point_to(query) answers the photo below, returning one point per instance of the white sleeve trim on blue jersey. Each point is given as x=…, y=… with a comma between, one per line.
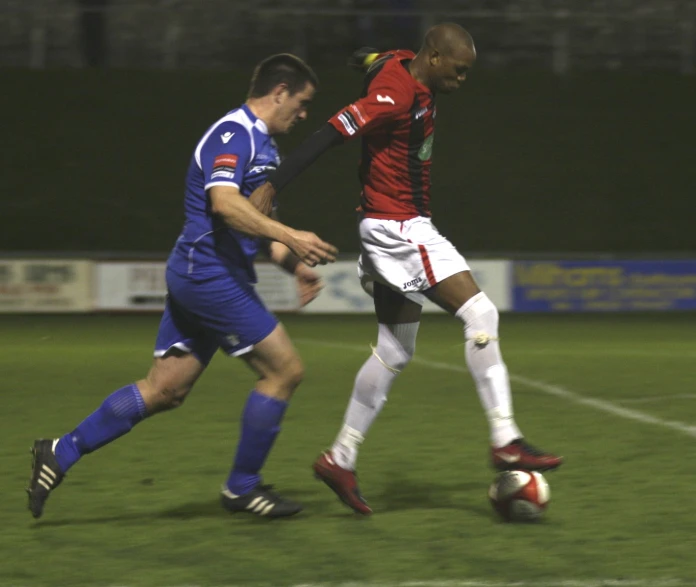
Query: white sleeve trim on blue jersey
x=238, y=116
x=227, y=183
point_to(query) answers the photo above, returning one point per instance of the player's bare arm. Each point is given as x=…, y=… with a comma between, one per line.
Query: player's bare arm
x=262, y=198
x=309, y=283
x=238, y=213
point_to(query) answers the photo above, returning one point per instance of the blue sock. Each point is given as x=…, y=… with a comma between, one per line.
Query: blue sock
x=122, y=410
x=260, y=426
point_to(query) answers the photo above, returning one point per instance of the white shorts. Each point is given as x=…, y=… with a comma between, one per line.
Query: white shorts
x=409, y=256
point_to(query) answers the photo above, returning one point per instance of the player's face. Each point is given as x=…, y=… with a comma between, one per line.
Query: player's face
x=450, y=70
x=293, y=108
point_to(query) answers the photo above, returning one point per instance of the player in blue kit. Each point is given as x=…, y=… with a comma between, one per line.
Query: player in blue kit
x=212, y=302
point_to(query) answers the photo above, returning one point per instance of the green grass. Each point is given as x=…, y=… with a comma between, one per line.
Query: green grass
x=144, y=511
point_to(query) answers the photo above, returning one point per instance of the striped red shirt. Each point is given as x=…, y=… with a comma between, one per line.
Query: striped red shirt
x=395, y=118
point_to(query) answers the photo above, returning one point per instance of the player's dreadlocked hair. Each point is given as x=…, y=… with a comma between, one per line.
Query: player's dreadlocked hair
x=283, y=68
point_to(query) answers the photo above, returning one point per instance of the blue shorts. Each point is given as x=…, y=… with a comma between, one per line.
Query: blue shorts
x=202, y=316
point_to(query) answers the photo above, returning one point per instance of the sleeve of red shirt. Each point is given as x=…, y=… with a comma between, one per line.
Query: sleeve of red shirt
x=387, y=98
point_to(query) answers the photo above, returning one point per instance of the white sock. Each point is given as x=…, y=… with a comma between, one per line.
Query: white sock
x=396, y=344
x=480, y=317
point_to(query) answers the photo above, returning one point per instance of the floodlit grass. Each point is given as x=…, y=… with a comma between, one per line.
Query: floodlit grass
x=144, y=511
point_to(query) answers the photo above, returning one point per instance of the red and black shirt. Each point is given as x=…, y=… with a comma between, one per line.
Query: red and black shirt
x=395, y=118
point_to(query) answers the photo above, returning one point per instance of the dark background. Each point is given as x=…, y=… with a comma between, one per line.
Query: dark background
x=574, y=133
x=523, y=161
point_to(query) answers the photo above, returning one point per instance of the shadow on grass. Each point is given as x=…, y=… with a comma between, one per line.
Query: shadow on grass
x=315, y=502
x=399, y=494
x=410, y=494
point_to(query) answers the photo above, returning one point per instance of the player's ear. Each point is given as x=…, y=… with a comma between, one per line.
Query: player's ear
x=279, y=93
x=435, y=58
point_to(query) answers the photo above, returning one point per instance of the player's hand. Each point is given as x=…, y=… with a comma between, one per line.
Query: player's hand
x=309, y=284
x=262, y=198
x=310, y=248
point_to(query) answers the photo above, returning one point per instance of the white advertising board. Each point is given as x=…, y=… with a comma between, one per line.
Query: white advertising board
x=141, y=286
x=135, y=286
x=45, y=285
x=343, y=294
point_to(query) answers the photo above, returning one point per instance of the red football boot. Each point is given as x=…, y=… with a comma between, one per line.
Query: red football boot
x=342, y=482
x=520, y=455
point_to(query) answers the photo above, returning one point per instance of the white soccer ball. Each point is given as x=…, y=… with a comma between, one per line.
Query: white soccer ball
x=520, y=496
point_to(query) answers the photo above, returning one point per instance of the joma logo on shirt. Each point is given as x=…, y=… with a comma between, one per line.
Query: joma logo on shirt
x=413, y=282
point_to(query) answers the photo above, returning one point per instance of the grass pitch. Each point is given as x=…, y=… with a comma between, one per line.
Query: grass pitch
x=614, y=394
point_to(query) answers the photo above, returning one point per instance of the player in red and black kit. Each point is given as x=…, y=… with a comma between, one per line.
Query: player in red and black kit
x=404, y=259
x=396, y=118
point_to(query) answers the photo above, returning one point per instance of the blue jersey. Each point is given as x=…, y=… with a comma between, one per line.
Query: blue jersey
x=236, y=151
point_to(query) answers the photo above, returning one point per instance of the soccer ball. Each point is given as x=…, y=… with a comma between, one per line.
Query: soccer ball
x=519, y=496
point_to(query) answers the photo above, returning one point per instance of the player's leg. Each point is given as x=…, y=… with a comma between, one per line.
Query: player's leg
x=230, y=315
x=165, y=387
x=280, y=371
x=179, y=362
x=398, y=319
x=460, y=296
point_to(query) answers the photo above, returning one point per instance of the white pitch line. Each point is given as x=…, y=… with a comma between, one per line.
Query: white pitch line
x=549, y=389
x=656, y=398
x=475, y=583
x=605, y=406
x=606, y=352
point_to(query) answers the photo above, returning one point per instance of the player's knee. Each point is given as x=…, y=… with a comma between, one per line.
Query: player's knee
x=479, y=310
x=408, y=349
x=296, y=374
x=292, y=374
x=168, y=397
x=396, y=345
x=481, y=318
x=172, y=397
x=162, y=395
x=396, y=358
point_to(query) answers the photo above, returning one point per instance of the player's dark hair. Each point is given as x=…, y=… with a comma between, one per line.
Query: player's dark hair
x=283, y=68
